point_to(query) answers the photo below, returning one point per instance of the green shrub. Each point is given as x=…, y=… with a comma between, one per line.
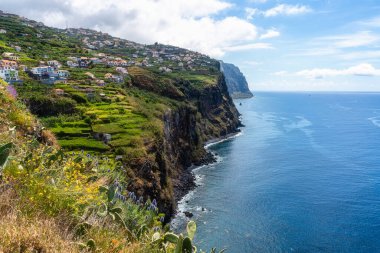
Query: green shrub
x=51, y=106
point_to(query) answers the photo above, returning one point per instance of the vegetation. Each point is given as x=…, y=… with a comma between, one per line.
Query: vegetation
x=71, y=202
x=68, y=178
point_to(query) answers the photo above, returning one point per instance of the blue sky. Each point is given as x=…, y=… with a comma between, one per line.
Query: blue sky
x=279, y=45
x=333, y=46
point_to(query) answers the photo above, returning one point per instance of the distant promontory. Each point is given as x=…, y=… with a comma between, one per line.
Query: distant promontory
x=236, y=82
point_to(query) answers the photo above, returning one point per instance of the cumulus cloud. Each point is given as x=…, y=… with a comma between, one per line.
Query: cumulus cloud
x=271, y=33
x=363, y=69
x=287, y=10
x=191, y=24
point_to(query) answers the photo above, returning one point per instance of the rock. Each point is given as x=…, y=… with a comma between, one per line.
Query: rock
x=188, y=214
x=236, y=83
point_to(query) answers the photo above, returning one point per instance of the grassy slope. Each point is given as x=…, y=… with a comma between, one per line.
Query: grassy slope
x=44, y=189
x=59, y=200
x=130, y=114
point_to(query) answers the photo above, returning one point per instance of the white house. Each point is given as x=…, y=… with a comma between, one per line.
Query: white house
x=9, y=74
x=122, y=70
x=54, y=63
x=42, y=70
x=63, y=73
x=72, y=64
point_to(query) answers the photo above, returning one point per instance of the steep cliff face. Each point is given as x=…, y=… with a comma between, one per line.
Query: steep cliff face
x=209, y=113
x=236, y=82
x=188, y=128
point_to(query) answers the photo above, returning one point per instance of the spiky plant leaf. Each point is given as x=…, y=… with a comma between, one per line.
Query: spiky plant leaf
x=91, y=244
x=187, y=245
x=103, y=210
x=178, y=248
x=4, y=154
x=170, y=237
x=191, y=229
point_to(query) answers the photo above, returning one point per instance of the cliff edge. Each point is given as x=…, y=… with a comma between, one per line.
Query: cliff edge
x=236, y=82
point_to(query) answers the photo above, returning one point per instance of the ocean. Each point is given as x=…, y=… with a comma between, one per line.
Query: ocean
x=303, y=176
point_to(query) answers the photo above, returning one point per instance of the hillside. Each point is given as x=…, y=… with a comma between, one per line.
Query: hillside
x=149, y=108
x=52, y=201
x=236, y=82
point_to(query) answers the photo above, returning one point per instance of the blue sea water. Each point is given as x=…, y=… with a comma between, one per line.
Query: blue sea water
x=304, y=176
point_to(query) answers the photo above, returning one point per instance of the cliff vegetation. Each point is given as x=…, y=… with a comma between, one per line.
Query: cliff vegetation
x=99, y=133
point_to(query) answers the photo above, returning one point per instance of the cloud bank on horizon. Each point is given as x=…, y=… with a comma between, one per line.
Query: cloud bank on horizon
x=278, y=44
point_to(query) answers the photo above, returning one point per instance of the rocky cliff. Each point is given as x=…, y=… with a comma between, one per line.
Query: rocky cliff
x=208, y=114
x=236, y=82
x=157, y=111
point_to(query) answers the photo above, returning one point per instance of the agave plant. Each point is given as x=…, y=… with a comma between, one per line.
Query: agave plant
x=182, y=243
x=108, y=209
x=4, y=154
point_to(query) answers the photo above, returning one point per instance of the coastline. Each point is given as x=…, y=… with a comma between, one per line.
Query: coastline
x=195, y=181
x=222, y=139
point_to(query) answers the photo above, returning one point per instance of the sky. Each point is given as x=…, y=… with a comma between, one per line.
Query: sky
x=279, y=45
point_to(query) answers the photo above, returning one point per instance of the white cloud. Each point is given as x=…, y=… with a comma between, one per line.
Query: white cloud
x=280, y=73
x=286, y=9
x=363, y=69
x=250, y=46
x=251, y=63
x=372, y=22
x=258, y=1
x=189, y=24
x=250, y=12
x=359, y=45
x=363, y=38
x=316, y=51
x=371, y=54
x=271, y=33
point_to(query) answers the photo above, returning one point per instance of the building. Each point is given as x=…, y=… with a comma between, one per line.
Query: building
x=72, y=64
x=59, y=92
x=95, y=60
x=100, y=82
x=90, y=93
x=54, y=63
x=8, y=64
x=48, y=74
x=83, y=62
x=108, y=76
x=122, y=70
x=10, y=56
x=63, y=74
x=9, y=75
x=43, y=70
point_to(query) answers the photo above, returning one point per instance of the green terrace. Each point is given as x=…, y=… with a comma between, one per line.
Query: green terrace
x=116, y=119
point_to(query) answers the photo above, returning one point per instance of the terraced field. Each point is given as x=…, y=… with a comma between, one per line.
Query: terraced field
x=107, y=112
